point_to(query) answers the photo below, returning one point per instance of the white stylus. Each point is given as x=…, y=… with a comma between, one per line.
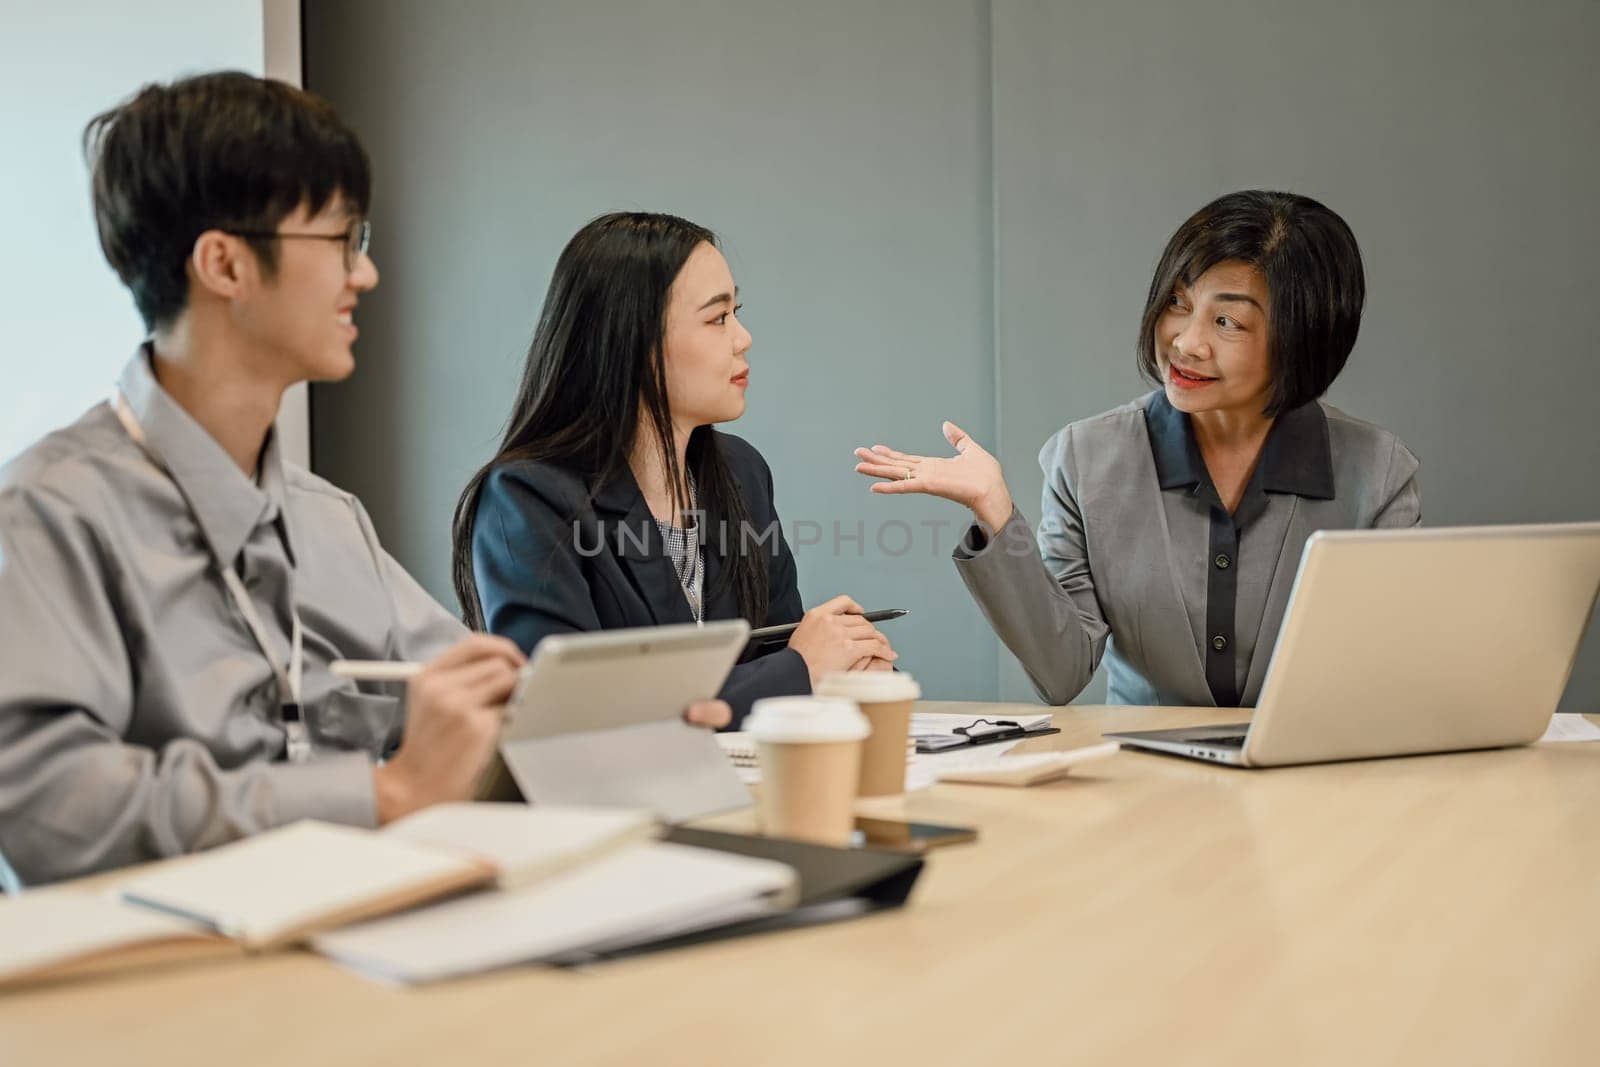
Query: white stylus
x=375, y=670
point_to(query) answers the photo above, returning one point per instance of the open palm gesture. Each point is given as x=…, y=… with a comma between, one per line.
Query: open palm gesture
x=971, y=477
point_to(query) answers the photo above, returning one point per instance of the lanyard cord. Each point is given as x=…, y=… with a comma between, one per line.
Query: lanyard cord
x=289, y=676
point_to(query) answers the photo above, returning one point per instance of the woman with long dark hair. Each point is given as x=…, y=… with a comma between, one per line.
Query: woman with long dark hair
x=612, y=501
x=1171, y=527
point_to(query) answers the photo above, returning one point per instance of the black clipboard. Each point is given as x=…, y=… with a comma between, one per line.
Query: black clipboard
x=979, y=732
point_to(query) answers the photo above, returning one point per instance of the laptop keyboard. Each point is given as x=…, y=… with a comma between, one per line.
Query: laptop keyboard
x=1223, y=741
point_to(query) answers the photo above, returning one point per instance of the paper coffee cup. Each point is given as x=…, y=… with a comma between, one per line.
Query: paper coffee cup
x=810, y=754
x=885, y=698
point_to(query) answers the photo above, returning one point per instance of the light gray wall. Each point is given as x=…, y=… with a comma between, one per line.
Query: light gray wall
x=70, y=323
x=1458, y=138
x=841, y=149
x=951, y=210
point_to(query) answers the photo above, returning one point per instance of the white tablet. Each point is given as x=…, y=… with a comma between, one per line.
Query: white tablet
x=599, y=681
x=597, y=719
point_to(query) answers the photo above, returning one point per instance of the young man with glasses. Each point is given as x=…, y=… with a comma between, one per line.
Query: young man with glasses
x=173, y=590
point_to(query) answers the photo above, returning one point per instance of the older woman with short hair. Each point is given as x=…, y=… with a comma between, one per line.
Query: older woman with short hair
x=1171, y=527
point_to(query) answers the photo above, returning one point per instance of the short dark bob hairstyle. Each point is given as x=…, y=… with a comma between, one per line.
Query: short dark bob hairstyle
x=225, y=151
x=1315, y=284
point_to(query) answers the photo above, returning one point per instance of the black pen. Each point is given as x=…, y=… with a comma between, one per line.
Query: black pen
x=766, y=635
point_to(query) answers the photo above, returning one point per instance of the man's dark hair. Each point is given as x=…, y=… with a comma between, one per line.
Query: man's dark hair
x=1315, y=284
x=223, y=151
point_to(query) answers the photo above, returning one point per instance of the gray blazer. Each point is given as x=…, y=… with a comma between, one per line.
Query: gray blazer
x=1136, y=558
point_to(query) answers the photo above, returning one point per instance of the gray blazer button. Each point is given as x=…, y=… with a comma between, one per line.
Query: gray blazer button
x=1223, y=562
x=1219, y=642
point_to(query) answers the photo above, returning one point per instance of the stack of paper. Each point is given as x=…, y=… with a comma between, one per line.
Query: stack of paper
x=922, y=770
x=740, y=748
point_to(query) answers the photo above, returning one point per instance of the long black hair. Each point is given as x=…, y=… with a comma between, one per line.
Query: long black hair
x=596, y=363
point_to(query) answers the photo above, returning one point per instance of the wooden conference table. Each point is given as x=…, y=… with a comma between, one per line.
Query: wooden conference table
x=1440, y=909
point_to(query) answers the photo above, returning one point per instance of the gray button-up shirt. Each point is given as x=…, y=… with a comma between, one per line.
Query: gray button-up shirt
x=138, y=716
x=1137, y=559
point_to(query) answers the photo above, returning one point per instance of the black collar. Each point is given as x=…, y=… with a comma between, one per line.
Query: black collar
x=626, y=523
x=1296, y=458
x=619, y=494
x=621, y=508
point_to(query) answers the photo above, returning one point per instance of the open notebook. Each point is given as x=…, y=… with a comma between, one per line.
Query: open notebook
x=642, y=893
x=284, y=885
x=281, y=886
x=59, y=933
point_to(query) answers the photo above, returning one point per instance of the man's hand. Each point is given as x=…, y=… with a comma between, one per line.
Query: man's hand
x=454, y=707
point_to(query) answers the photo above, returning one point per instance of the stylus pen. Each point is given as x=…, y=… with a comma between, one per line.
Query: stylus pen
x=781, y=632
x=375, y=670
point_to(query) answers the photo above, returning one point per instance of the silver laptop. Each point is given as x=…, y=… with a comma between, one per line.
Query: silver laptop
x=1398, y=642
x=597, y=720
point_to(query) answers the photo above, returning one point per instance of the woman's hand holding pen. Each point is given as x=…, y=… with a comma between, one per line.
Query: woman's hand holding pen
x=834, y=637
x=454, y=706
x=971, y=477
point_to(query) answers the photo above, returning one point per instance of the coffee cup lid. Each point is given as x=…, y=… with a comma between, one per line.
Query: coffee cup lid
x=802, y=719
x=869, y=687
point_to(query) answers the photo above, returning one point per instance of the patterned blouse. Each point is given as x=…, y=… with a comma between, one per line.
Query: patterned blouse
x=683, y=548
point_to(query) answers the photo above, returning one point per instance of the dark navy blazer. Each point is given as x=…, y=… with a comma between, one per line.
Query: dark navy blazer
x=551, y=557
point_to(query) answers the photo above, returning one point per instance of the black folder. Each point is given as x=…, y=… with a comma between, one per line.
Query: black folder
x=835, y=884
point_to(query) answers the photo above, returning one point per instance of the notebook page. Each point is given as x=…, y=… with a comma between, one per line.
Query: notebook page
x=47, y=930
x=525, y=843
x=310, y=875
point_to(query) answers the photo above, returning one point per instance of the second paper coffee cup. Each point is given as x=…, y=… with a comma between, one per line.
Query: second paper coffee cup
x=885, y=698
x=810, y=754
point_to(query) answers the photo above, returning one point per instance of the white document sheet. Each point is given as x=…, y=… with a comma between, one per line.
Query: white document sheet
x=922, y=769
x=1570, y=728
x=941, y=723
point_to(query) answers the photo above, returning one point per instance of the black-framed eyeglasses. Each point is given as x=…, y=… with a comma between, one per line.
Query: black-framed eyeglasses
x=356, y=238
